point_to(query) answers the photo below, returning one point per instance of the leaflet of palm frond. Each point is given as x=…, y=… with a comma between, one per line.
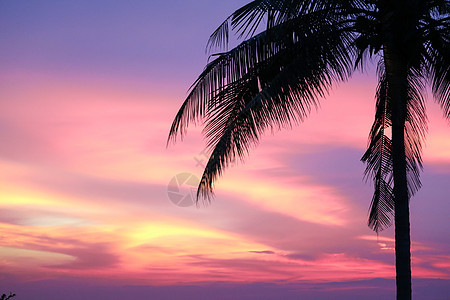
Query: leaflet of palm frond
x=246, y=20
x=415, y=130
x=220, y=37
x=382, y=206
x=228, y=136
x=438, y=7
x=231, y=66
x=231, y=101
x=437, y=54
x=369, y=39
x=283, y=89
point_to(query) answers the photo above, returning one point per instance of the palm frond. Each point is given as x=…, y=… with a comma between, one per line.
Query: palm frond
x=438, y=60
x=378, y=156
x=246, y=20
x=279, y=89
x=250, y=55
x=415, y=131
x=220, y=37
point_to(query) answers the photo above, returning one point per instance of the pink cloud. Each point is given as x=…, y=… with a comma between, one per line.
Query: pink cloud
x=95, y=165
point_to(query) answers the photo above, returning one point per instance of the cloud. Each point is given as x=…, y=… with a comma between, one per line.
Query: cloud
x=39, y=217
x=262, y=252
x=88, y=256
x=84, y=170
x=83, y=251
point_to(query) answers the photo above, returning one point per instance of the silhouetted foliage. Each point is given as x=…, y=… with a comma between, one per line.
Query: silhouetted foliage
x=274, y=78
x=6, y=297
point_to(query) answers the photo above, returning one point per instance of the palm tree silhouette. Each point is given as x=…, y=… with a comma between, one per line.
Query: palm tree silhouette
x=274, y=78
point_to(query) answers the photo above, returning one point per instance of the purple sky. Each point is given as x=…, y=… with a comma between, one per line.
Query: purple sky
x=88, y=93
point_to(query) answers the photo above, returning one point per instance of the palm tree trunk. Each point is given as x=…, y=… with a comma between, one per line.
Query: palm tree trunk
x=396, y=72
x=402, y=226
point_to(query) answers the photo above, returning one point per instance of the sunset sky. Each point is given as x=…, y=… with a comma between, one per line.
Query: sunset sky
x=88, y=90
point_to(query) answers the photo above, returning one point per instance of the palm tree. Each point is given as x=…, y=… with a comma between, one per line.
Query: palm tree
x=275, y=77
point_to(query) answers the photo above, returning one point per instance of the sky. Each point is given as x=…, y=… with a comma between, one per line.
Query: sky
x=94, y=205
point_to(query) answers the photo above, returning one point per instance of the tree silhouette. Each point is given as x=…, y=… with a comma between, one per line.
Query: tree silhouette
x=6, y=297
x=274, y=78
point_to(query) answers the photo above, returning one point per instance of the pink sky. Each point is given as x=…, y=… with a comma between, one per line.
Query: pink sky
x=88, y=93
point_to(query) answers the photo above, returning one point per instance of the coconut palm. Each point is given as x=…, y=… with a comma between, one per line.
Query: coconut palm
x=292, y=54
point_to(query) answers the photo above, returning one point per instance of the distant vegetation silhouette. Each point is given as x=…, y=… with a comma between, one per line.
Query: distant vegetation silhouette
x=6, y=297
x=274, y=78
